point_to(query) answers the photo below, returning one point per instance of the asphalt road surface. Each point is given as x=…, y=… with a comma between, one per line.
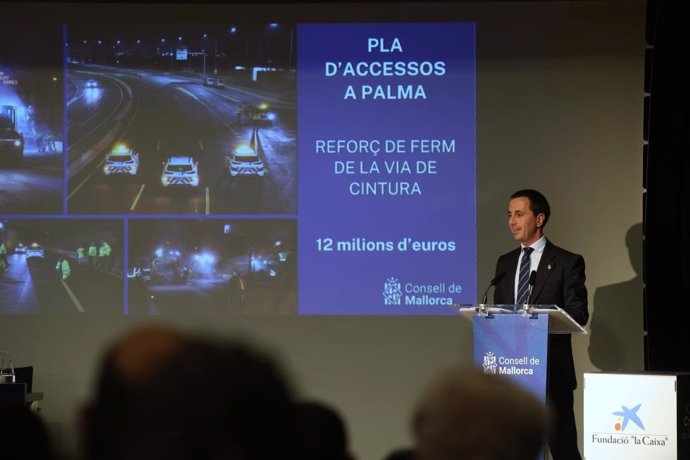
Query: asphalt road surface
x=161, y=115
x=33, y=187
x=32, y=287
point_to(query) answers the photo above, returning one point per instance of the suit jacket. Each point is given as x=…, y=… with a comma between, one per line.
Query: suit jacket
x=560, y=280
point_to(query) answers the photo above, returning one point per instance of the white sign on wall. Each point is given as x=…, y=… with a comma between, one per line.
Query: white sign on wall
x=630, y=416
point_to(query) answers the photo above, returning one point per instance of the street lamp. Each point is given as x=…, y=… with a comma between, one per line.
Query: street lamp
x=269, y=48
x=215, y=53
x=237, y=45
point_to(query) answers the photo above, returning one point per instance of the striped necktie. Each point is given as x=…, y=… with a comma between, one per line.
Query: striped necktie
x=523, y=281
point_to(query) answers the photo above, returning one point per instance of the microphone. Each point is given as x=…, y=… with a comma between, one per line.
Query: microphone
x=493, y=282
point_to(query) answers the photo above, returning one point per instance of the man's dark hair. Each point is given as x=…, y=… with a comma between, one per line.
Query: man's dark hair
x=320, y=432
x=537, y=202
x=192, y=398
x=457, y=415
x=224, y=400
x=25, y=433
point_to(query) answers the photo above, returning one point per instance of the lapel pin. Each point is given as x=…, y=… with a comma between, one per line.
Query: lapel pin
x=548, y=267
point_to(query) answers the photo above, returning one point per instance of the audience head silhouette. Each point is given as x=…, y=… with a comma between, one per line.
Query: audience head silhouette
x=468, y=415
x=402, y=453
x=23, y=434
x=166, y=395
x=320, y=432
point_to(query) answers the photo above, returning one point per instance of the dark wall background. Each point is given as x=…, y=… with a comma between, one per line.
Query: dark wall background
x=667, y=216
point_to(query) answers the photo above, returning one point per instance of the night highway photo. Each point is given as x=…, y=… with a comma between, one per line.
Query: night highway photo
x=61, y=267
x=212, y=266
x=181, y=120
x=31, y=121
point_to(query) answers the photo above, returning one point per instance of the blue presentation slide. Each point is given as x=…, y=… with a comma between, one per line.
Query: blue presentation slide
x=387, y=168
x=298, y=169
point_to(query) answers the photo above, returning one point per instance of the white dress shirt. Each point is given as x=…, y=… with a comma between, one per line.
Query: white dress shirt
x=534, y=258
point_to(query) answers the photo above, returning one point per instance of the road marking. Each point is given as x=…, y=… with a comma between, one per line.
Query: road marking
x=189, y=94
x=132, y=101
x=81, y=184
x=113, y=113
x=114, y=275
x=158, y=146
x=71, y=295
x=136, y=200
x=201, y=146
x=208, y=201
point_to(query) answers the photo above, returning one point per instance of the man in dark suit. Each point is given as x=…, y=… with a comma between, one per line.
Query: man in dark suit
x=559, y=280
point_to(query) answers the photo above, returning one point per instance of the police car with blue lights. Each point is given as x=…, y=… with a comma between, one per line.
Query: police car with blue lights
x=35, y=251
x=180, y=171
x=244, y=162
x=121, y=160
x=263, y=117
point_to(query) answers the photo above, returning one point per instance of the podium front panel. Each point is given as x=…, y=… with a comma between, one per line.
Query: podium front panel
x=514, y=346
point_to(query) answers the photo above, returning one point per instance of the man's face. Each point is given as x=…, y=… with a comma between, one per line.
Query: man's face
x=523, y=224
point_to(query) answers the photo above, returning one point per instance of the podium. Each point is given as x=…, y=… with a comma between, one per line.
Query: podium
x=512, y=340
x=15, y=393
x=12, y=393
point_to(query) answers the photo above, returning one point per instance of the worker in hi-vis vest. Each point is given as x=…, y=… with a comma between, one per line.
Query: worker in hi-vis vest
x=63, y=268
